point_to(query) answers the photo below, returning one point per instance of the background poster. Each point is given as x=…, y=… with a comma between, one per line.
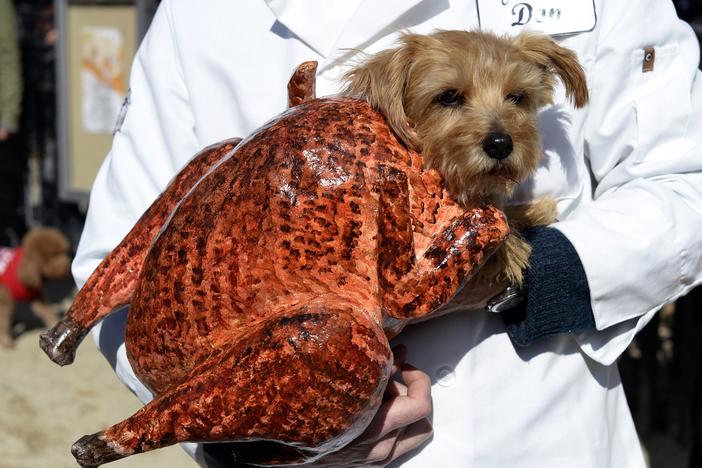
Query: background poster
x=100, y=41
x=101, y=75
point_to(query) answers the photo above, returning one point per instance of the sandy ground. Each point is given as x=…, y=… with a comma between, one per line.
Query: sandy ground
x=44, y=408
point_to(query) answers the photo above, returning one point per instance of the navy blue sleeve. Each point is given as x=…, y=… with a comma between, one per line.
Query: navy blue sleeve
x=557, y=292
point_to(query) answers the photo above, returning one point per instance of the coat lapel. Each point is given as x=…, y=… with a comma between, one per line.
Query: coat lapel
x=330, y=26
x=374, y=18
x=318, y=23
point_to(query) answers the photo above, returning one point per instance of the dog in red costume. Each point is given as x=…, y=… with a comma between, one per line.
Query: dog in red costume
x=42, y=255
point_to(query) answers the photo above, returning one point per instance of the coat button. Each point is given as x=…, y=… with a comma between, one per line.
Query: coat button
x=445, y=376
x=649, y=59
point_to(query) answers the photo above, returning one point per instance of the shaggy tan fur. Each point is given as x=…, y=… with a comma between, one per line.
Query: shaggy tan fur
x=502, y=82
x=45, y=256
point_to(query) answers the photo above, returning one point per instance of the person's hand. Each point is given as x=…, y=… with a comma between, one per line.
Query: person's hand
x=4, y=134
x=400, y=425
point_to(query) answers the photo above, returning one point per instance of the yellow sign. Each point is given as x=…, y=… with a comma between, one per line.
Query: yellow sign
x=101, y=42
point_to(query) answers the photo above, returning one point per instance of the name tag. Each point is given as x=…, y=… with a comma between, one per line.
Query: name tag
x=553, y=17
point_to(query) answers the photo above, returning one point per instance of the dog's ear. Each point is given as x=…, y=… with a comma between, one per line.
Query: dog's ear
x=381, y=80
x=543, y=51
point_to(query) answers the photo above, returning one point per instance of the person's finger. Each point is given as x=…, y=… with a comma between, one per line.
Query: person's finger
x=411, y=404
x=418, y=383
x=383, y=448
x=400, y=411
x=399, y=353
x=394, y=389
x=412, y=437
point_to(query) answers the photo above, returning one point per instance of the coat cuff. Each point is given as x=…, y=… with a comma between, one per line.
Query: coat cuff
x=9, y=127
x=557, y=292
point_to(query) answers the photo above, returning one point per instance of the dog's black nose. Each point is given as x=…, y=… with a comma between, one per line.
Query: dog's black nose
x=498, y=145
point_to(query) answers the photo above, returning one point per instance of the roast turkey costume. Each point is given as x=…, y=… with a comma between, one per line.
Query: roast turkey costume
x=266, y=280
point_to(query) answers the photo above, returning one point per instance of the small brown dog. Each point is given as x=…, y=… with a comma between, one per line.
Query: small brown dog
x=43, y=254
x=468, y=102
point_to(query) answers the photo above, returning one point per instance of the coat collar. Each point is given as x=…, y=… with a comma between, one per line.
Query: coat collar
x=318, y=23
x=324, y=25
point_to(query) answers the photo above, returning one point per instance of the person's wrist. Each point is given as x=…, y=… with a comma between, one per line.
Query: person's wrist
x=5, y=133
x=556, y=295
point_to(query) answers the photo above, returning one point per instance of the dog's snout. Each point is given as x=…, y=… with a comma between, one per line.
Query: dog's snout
x=498, y=145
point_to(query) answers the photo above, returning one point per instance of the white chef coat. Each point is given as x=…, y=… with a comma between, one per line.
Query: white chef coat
x=625, y=171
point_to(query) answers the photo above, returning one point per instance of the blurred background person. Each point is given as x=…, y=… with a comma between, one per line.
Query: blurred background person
x=12, y=155
x=38, y=38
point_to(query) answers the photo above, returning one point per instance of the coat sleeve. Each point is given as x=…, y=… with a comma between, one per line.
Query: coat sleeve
x=155, y=139
x=639, y=239
x=10, y=69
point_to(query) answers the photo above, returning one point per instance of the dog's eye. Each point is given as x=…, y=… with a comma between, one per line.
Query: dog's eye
x=450, y=98
x=516, y=98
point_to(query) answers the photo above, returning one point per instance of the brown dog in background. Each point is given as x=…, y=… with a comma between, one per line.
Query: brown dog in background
x=42, y=255
x=468, y=101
